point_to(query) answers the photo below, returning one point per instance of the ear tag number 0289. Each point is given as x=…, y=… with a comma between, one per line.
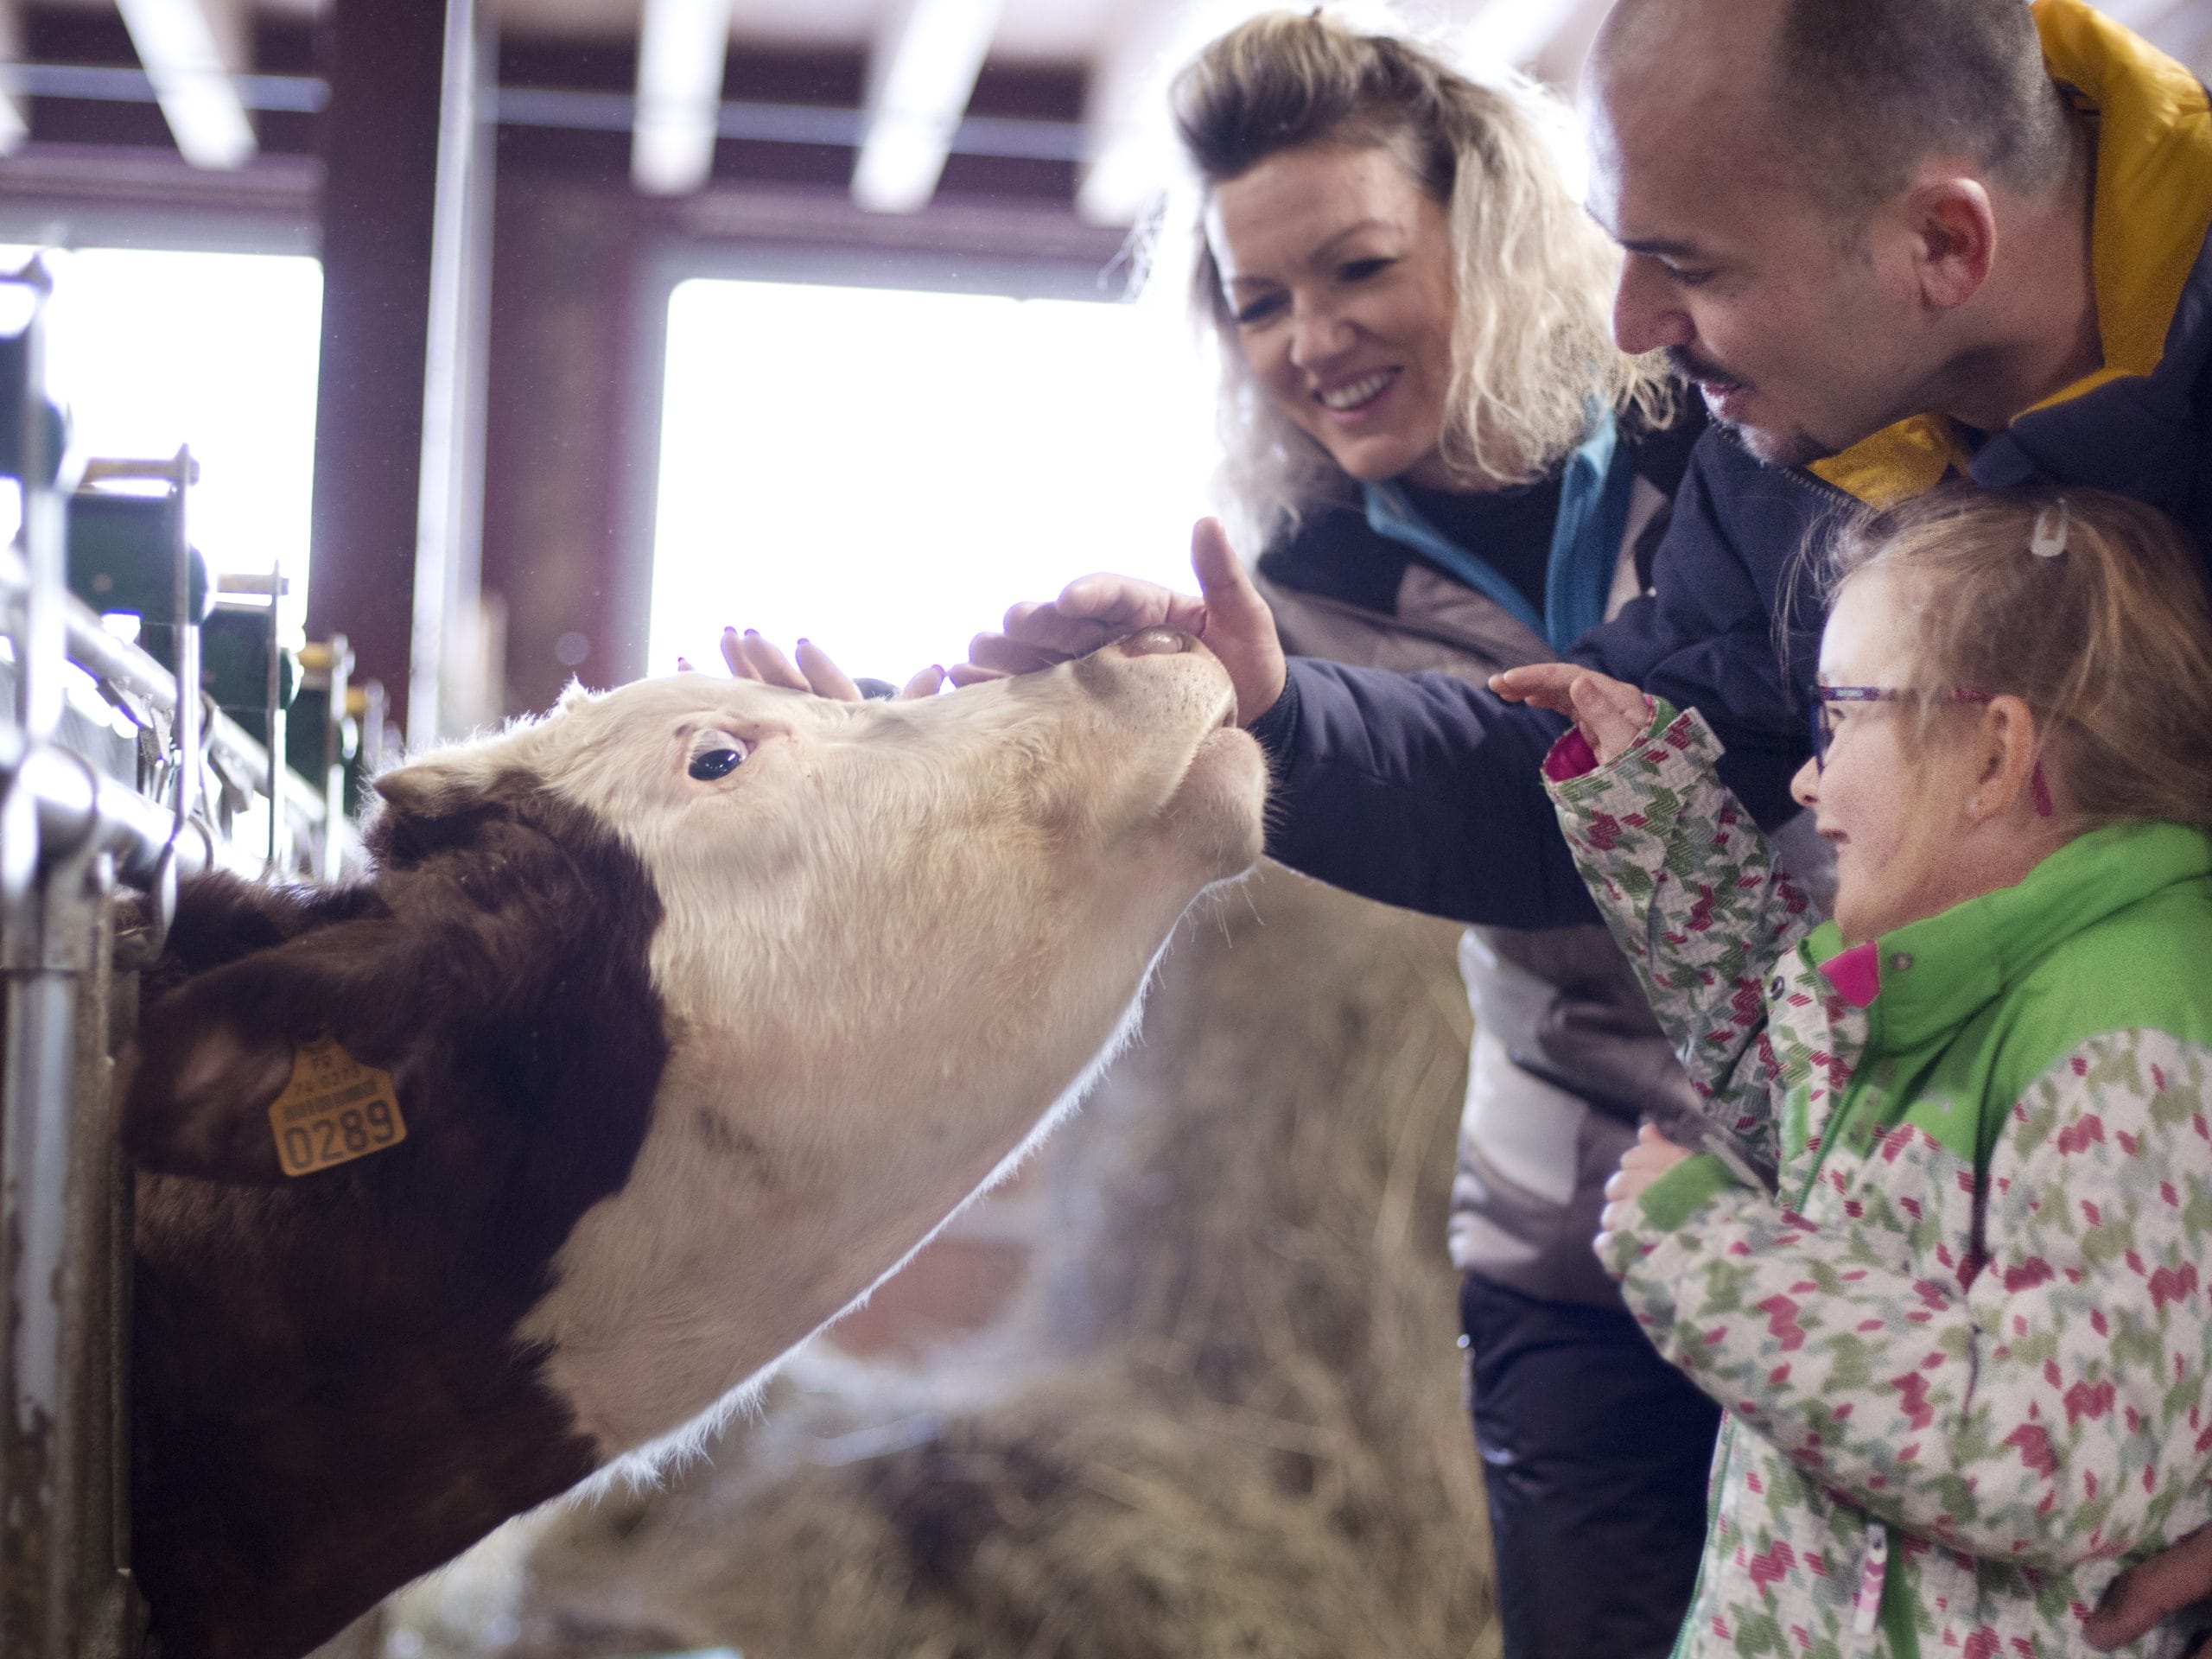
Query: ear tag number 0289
x=334, y=1110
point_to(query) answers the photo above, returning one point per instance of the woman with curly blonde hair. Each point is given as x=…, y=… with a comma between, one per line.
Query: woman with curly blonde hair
x=1446, y=464
x=1526, y=278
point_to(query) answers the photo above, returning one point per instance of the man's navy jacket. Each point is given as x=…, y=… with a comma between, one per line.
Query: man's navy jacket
x=1422, y=790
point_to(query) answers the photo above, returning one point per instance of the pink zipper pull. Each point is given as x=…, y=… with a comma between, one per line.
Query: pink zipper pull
x=1866, y=1606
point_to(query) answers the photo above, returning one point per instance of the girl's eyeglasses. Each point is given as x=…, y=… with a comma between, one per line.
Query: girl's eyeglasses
x=1826, y=696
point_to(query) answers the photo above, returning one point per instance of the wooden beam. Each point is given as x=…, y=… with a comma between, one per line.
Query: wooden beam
x=572, y=471
x=190, y=50
x=398, y=422
x=919, y=82
x=682, y=50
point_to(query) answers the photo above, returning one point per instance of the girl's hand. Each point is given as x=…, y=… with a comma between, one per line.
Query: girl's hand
x=752, y=657
x=1609, y=714
x=1652, y=1156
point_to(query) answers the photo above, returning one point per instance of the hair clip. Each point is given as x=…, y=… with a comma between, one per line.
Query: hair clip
x=2048, y=541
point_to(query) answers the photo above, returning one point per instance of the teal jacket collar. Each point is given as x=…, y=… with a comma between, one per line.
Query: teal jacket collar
x=1933, y=975
x=1593, y=509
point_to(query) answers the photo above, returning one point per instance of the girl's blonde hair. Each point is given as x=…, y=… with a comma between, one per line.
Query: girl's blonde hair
x=2108, y=642
x=1532, y=347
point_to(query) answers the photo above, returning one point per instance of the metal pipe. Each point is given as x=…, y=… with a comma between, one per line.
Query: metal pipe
x=125, y=666
x=188, y=702
x=77, y=808
x=35, y=1154
x=273, y=702
x=46, y=921
x=46, y=546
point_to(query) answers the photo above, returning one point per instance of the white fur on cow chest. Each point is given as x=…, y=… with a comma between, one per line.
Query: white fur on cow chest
x=788, y=1168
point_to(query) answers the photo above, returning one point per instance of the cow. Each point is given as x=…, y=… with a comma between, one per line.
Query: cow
x=671, y=1023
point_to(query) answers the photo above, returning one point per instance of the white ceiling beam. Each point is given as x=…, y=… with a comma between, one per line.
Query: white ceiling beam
x=190, y=49
x=1131, y=142
x=14, y=113
x=681, y=51
x=1561, y=62
x=920, y=79
x=2179, y=27
x=2193, y=45
x=1517, y=32
x=1131, y=148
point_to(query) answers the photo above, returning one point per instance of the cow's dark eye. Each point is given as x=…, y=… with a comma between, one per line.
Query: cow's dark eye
x=716, y=763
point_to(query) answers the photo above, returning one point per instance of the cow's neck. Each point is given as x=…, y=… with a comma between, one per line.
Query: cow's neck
x=269, y=1516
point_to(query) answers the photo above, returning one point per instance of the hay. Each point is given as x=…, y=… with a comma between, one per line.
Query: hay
x=1240, y=1434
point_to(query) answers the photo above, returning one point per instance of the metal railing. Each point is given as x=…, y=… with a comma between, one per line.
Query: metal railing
x=74, y=834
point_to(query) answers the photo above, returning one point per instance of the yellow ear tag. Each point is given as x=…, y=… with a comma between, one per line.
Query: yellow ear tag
x=334, y=1110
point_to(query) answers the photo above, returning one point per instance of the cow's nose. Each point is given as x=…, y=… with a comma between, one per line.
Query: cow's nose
x=1157, y=642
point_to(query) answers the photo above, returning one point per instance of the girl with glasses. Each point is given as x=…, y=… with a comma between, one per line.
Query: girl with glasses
x=1941, y=1257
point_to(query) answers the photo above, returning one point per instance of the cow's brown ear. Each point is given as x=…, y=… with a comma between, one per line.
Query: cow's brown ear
x=196, y=1103
x=462, y=776
x=437, y=785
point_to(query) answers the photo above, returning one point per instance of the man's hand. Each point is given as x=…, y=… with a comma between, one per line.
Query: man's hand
x=1652, y=1156
x=1610, y=714
x=1228, y=616
x=752, y=657
x=2152, y=1592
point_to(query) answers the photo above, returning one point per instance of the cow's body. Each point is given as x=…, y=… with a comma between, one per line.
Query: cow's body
x=688, y=1064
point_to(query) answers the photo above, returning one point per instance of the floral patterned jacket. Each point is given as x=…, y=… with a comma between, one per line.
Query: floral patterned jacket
x=1964, y=1348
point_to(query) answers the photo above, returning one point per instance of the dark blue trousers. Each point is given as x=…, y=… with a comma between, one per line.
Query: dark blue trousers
x=1596, y=1454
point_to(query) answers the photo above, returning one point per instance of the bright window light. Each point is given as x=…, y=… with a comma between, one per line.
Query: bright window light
x=886, y=471
x=153, y=350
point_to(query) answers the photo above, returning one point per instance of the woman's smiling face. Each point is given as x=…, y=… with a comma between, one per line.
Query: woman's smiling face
x=1337, y=267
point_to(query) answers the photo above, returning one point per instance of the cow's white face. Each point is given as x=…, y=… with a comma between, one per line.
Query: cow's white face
x=898, y=936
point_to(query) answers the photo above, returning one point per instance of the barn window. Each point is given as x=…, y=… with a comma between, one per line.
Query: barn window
x=156, y=349
x=884, y=471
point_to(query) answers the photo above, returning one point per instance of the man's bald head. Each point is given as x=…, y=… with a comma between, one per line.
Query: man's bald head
x=1854, y=95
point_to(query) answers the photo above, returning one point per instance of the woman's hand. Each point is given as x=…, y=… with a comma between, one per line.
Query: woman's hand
x=1609, y=714
x=752, y=657
x=1228, y=616
x=1652, y=1156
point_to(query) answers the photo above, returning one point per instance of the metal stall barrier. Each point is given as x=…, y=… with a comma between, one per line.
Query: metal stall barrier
x=109, y=779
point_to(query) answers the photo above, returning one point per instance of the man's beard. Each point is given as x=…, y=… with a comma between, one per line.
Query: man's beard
x=1795, y=448
x=1799, y=448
